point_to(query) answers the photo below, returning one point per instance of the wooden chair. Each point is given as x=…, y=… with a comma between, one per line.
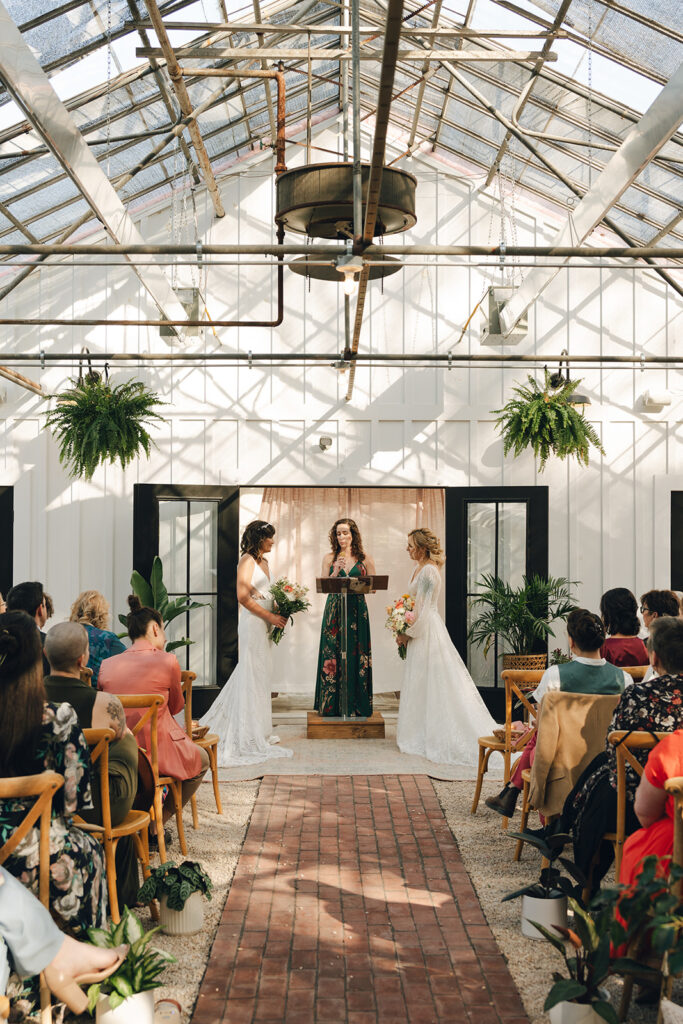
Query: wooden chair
x=637, y=672
x=43, y=787
x=518, y=685
x=86, y=676
x=135, y=824
x=209, y=743
x=148, y=704
x=626, y=743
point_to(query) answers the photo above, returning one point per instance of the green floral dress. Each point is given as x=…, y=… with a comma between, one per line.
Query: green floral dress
x=328, y=681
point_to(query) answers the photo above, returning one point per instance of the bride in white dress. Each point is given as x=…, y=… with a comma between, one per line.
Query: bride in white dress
x=441, y=713
x=241, y=715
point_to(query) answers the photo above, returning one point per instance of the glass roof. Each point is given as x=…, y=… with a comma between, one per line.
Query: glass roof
x=612, y=61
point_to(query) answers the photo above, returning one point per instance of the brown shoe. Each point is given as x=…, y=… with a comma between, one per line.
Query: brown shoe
x=505, y=802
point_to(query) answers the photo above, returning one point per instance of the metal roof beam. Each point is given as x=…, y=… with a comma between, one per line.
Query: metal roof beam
x=336, y=54
x=288, y=28
x=31, y=90
x=656, y=127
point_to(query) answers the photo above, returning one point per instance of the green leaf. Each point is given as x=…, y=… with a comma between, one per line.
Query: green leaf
x=142, y=588
x=565, y=990
x=115, y=999
x=605, y=1011
x=122, y=985
x=93, y=996
x=133, y=926
x=159, y=592
x=555, y=940
x=99, y=937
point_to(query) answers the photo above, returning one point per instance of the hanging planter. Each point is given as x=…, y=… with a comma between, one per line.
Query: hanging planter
x=544, y=418
x=95, y=422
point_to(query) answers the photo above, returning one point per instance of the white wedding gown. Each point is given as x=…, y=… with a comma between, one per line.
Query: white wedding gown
x=441, y=714
x=241, y=715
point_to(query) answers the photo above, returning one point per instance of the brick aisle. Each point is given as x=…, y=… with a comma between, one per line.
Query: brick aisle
x=350, y=903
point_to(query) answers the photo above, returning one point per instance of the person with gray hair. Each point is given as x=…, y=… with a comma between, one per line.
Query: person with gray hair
x=66, y=648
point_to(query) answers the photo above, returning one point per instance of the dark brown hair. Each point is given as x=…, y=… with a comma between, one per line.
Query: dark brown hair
x=661, y=602
x=22, y=693
x=253, y=536
x=356, y=542
x=666, y=640
x=619, y=612
x=585, y=629
x=139, y=617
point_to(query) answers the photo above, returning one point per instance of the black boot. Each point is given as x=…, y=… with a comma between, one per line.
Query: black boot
x=505, y=802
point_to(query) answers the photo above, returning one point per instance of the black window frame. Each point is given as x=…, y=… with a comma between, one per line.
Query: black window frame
x=7, y=534
x=677, y=540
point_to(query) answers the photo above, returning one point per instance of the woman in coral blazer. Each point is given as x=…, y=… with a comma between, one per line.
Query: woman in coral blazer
x=147, y=668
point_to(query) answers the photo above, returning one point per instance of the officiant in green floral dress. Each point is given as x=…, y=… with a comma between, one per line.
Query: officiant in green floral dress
x=346, y=558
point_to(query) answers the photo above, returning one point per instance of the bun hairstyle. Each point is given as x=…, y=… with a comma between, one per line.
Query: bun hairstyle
x=619, y=612
x=356, y=542
x=427, y=541
x=139, y=617
x=586, y=629
x=254, y=535
x=22, y=693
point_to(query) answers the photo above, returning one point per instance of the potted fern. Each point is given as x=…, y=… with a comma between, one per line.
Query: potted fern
x=542, y=417
x=179, y=890
x=519, y=616
x=127, y=996
x=153, y=594
x=95, y=422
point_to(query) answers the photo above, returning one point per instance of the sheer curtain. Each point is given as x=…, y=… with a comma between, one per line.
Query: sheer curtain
x=303, y=517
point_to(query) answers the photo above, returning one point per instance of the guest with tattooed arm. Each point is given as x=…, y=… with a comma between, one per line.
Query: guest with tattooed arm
x=66, y=648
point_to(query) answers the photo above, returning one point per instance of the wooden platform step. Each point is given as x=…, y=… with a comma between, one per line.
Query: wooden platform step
x=320, y=728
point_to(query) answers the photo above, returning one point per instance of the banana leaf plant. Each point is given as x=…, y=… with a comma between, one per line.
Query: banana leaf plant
x=153, y=594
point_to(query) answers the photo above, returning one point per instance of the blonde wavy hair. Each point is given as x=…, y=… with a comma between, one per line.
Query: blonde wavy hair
x=429, y=542
x=91, y=607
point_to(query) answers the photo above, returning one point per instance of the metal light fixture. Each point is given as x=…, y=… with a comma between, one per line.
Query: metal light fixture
x=350, y=268
x=325, y=443
x=558, y=379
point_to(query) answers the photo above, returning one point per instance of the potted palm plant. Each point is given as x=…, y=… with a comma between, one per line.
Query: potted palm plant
x=127, y=996
x=179, y=890
x=153, y=594
x=546, y=900
x=519, y=616
x=542, y=417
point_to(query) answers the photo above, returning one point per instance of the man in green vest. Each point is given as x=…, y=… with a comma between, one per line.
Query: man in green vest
x=66, y=648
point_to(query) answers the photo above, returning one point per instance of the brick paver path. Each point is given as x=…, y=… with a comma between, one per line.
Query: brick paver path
x=350, y=903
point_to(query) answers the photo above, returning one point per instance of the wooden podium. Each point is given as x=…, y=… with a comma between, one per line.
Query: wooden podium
x=346, y=726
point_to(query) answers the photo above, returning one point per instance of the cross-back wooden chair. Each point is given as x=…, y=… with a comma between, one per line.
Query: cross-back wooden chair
x=625, y=743
x=519, y=683
x=637, y=672
x=86, y=676
x=43, y=787
x=135, y=824
x=209, y=743
x=148, y=704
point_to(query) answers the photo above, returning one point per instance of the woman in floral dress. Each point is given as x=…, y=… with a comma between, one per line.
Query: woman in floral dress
x=346, y=558
x=37, y=736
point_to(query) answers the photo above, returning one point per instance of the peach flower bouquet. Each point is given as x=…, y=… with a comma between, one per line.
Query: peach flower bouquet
x=400, y=616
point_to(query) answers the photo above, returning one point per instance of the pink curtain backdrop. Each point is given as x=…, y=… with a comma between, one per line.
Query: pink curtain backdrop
x=303, y=517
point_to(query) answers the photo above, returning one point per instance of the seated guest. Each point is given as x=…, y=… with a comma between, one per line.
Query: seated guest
x=654, y=808
x=147, y=668
x=91, y=609
x=36, y=944
x=657, y=603
x=36, y=735
x=30, y=598
x=66, y=647
x=619, y=611
x=653, y=705
x=587, y=672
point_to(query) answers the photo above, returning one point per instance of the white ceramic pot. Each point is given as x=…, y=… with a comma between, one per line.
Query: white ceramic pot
x=546, y=911
x=137, y=1009
x=573, y=1013
x=187, y=921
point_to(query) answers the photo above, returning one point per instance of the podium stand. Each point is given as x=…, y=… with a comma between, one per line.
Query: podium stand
x=346, y=726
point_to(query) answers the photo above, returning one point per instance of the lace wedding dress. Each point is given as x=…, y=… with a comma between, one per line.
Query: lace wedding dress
x=241, y=715
x=441, y=714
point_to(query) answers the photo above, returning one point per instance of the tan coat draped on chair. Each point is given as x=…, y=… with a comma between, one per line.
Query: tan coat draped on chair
x=572, y=729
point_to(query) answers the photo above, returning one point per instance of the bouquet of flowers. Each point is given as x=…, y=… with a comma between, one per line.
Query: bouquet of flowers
x=289, y=598
x=401, y=615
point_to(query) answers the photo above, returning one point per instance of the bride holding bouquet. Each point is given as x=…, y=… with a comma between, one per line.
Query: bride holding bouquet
x=241, y=715
x=441, y=714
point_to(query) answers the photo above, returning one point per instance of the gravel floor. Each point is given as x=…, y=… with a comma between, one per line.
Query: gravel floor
x=487, y=854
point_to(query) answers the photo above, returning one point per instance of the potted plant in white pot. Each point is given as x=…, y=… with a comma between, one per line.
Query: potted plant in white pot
x=127, y=996
x=546, y=899
x=179, y=890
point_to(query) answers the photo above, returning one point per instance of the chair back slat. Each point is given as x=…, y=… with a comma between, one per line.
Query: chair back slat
x=519, y=683
x=151, y=702
x=625, y=742
x=98, y=740
x=637, y=672
x=187, y=679
x=43, y=787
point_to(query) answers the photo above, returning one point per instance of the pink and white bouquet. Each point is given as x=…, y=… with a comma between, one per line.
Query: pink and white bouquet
x=400, y=616
x=290, y=598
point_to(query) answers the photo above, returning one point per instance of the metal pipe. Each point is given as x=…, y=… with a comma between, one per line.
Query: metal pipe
x=328, y=357
x=185, y=103
x=331, y=263
x=631, y=252
x=23, y=382
x=492, y=56
x=355, y=95
x=289, y=28
x=277, y=76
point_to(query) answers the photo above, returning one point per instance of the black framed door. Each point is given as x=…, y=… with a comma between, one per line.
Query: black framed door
x=7, y=534
x=499, y=530
x=195, y=531
x=677, y=540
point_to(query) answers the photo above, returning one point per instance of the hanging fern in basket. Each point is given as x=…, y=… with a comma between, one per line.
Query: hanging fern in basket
x=96, y=422
x=543, y=418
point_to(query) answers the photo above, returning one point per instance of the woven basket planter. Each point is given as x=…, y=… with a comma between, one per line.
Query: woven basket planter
x=524, y=662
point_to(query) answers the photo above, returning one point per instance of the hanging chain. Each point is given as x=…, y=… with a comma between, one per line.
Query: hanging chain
x=590, y=93
x=108, y=100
